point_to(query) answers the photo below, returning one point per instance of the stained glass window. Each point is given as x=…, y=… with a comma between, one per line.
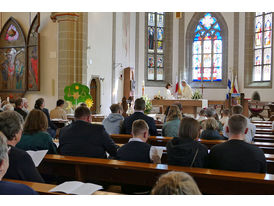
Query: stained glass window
x=207, y=50
x=262, y=47
x=155, y=49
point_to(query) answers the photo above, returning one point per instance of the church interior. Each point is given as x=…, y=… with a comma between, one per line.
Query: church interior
x=225, y=58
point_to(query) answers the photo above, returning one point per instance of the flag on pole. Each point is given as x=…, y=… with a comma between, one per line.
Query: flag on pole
x=236, y=88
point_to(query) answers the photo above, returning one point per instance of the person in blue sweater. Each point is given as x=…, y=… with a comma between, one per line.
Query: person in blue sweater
x=210, y=131
x=10, y=188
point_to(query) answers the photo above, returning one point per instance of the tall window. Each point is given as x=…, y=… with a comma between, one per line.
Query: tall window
x=155, y=48
x=207, y=51
x=262, y=47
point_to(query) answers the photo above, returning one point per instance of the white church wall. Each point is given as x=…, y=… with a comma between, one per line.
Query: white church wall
x=100, y=54
x=141, y=54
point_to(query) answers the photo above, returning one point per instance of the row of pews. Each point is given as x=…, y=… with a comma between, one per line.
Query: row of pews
x=115, y=172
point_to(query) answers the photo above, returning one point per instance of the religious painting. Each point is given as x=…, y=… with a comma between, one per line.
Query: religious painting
x=12, y=59
x=33, y=55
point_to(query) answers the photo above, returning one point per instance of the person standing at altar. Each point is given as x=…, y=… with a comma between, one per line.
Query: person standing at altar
x=186, y=92
x=168, y=94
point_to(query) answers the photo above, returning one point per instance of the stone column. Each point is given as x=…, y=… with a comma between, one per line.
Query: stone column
x=71, y=48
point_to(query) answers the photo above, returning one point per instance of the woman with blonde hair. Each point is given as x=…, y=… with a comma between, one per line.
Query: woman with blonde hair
x=171, y=126
x=35, y=136
x=210, y=130
x=175, y=183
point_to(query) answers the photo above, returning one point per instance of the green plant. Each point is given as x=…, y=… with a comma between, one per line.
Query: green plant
x=148, y=104
x=197, y=95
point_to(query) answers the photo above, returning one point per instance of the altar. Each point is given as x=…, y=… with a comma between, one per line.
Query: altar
x=189, y=105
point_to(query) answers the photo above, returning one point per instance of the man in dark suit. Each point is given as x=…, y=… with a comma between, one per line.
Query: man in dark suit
x=81, y=138
x=139, y=107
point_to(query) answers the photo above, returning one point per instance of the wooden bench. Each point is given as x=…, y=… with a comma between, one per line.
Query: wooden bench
x=269, y=126
x=43, y=188
x=264, y=131
x=261, y=122
x=124, y=172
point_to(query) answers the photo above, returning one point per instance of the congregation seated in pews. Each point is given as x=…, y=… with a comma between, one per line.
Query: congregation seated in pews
x=183, y=147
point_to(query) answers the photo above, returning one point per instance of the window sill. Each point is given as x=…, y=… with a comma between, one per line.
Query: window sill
x=259, y=85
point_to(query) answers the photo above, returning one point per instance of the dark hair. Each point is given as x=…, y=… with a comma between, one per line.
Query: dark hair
x=18, y=102
x=38, y=103
x=81, y=111
x=140, y=104
x=60, y=102
x=114, y=108
x=167, y=85
x=189, y=127
x=10, y=123
x=210, y=112
x=237, y=109
x=226, y=112
x=36, y=121
x=237, y=124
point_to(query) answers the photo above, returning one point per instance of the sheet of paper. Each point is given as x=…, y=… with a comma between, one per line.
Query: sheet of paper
x=76, y=187
x=87, y=189
x=204, y=103
x=37, y=156
x=67, y=187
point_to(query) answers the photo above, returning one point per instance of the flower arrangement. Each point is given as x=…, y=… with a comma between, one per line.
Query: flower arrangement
x=148, y=102
x=197, y=95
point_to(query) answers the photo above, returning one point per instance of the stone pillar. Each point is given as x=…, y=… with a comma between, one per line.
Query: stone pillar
x=71, y=48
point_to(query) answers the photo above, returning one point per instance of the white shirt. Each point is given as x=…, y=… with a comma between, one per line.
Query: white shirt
x=168, y=94
x=187, y=92
x=154, y=151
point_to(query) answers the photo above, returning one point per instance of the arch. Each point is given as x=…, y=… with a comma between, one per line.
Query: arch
x=13, y=62
x=189, y=42
x=95, y=92
x=33, y=39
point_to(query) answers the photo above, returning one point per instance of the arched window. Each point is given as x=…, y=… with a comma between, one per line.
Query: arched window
x=156, y=32
x=262, y=47
x=158, y=40
x=207, y=41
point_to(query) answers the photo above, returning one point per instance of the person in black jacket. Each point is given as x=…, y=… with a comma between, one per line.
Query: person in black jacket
x=185, y=150
x=236, y=154
x=21, y=166
x=40, y=104
x=139, y=107
x=19, y=107
x=81, y=138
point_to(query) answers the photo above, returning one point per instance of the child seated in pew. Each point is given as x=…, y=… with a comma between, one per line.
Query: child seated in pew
x=210, y=130
x=139, y=151
x=202, y=115
x=175, y=183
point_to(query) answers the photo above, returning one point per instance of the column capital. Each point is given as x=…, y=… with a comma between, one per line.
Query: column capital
x=64, y=16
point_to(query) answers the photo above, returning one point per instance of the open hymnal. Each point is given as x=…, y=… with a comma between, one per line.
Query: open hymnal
x=77, y=188
x=37, y=156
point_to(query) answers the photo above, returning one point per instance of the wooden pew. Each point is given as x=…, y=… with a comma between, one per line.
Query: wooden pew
x=263, y=125
x=261, y=122
x=264, y=131
x=124, y=172
x=264, y=136
x=43, y=188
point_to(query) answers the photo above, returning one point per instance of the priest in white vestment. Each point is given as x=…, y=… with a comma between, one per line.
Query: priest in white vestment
x=187, y=91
